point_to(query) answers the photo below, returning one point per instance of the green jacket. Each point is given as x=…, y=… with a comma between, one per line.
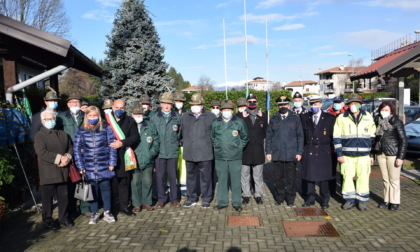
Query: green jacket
x=169, y=133
x=66, y=122
x=149, y=114
x=148, y=148
x=229, y=138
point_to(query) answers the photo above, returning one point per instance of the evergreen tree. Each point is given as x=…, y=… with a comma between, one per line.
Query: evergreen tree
x=134, y=64
x=178, y=80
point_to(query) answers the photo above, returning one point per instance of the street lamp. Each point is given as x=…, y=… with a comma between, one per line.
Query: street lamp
x=352, y=68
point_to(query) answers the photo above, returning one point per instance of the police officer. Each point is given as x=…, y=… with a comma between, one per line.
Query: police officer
x=253, y=157
x=215, y=107
x=229, y=135
x=318, y=128
x=168, y=125
x=51, y=103
x=146, y=151
x=284, y=146
x=298, y=104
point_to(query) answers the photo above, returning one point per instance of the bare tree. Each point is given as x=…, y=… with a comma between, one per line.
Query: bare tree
x=205, y=83
x=77, y=82
x=47, y=15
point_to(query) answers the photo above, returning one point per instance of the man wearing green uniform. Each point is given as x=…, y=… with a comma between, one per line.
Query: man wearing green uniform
x=229, y=135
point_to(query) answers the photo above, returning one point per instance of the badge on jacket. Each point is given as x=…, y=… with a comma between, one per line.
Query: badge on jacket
x=175, y=127
x=149, y=139
x=235, y=133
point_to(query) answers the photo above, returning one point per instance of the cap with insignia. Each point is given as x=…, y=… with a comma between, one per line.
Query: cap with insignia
x=196, y=99
x=51, y=96
x=179, y=96
x=215, y=103
x=354, y=98
x=314, y=99
x=297, y=95
x=145, y=99
x=283, y=100
x=167, y=98
x=227, y=104
x=107, y=104
x=252, y=97
x=241, y=102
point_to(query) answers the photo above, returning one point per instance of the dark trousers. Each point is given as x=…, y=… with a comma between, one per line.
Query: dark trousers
x=205, y=176
x=285, y=173
x=121, y=191
x=47, y=195
x=166, y=167
x=324, y=191
x=333, y=183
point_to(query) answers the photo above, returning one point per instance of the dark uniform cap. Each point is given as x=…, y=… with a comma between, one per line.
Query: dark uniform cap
x=354, y=98
x=74, y=97
x=167, y=98
x=338, y=99
x=107, y=104
x=144, y=99
x=179, y=96
x=215, y=103
x=227, y=104
x=51, y=96
x=84, y=103
x=138, y=110
x=297, y=95
x=315, y=100
x=252, y=96
x=283, y=100
x=241, y=102
x=196, y=99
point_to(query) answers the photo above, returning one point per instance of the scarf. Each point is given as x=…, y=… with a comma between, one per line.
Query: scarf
x=253, y=114
x=129, y=157
x=384, y=125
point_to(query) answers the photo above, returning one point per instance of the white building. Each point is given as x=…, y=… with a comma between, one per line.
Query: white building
x=305, y=87
x=259, y=83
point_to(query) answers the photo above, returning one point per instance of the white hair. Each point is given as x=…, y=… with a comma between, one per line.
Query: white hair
x=45, y=112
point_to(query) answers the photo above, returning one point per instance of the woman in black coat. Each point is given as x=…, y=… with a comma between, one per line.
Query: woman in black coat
x=390, y=146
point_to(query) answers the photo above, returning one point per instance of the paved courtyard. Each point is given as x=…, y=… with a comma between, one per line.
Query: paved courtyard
x=195, y=229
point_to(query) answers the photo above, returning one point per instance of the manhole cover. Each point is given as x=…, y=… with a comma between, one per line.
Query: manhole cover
x=243, y=221
x=310, y=212
x=309, y=229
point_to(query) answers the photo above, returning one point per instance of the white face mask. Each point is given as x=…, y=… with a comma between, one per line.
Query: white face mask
x=227, y=114
x=75, y=109
x=385, y=114
x=138, y=119
x=179, y=105
x=216, y=112
x=145, y=107
x=241, y=109
x=196, y=109
x=354, y=108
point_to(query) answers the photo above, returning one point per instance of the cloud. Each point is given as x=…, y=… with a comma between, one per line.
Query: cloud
x=220, y=5
x=370, y=39
x=109, y=3
x=287, y=27
x=322, y=48
x=230, y=84
x=233, y=41
x=178, y=22
x=334, y=53
x=99, y=15
x=401, y=4
x=270, y=3
x=268, y=17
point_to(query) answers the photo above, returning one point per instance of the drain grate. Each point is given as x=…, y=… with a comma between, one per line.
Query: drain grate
x=310, y=212
x=243, y=221
x=309, y=229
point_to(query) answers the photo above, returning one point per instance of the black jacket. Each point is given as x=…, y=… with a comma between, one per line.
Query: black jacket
x=284, y=139
x=254, y=151
x=394, y=141
x=196, y=136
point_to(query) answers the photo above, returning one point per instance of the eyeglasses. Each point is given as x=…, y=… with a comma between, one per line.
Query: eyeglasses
x=215, y=107
x=48, y=119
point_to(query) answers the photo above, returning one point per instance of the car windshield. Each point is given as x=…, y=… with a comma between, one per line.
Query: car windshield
x=411, y=114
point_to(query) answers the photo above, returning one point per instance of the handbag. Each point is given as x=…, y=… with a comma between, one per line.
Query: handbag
x=83, y=190
x=74, y=174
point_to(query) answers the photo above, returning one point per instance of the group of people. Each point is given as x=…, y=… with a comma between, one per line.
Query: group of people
x=130, y=159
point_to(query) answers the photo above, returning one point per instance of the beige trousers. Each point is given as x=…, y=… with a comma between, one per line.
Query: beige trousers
x=391, y=177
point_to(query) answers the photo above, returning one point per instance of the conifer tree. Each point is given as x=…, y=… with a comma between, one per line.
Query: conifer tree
x=134, y=59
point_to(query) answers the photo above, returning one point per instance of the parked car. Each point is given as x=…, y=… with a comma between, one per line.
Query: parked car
x=412, y=130
x=326, y=103
x=412, y=113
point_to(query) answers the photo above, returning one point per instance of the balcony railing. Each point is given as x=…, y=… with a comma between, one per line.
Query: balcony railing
x=329, y=91
x=348, y=90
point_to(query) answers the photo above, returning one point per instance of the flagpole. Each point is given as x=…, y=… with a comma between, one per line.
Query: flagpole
x=224, y=48
x=246, y=51
x=266, y=65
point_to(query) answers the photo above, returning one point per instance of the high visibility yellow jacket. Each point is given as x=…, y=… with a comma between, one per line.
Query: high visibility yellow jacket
x=353, y=137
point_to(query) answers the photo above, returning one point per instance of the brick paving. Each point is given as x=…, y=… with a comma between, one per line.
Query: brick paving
x=196, y=229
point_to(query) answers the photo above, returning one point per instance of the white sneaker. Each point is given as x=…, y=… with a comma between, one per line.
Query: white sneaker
x=108, y=217
x=94, y=219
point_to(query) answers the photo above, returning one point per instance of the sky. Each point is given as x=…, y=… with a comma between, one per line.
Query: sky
x=304, y=37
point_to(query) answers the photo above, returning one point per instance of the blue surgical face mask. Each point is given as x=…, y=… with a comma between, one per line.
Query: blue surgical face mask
x=227, y=114
x=314, y=109
x=52, y=105
x=118, y=113
x=49, y=124
x=93, y=121
x=297, y=104
x=337, y=106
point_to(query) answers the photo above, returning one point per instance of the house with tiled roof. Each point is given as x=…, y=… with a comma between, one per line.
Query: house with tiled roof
x=258, y=83
x=192, y=89
x=336, y=81
x=305, y=87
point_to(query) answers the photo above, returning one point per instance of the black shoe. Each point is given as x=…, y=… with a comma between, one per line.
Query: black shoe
x=393, y=207
x=259, y=200
x=237, y=208
x=277, y=203
x=67, y=223
x=50, y=225
x=383, y=205
x=325, y=206
x=245, y=200
x=219, y=207
x=308, y=204
x=127, y=212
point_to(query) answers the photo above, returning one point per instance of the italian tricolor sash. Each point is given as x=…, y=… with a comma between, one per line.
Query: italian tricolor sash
x=129, y=156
